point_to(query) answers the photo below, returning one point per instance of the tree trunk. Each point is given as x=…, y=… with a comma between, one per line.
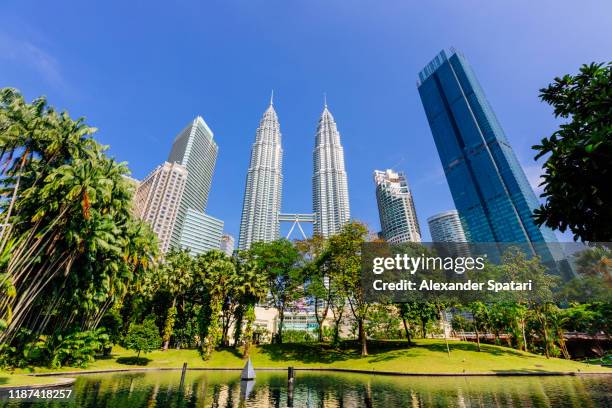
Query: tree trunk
x=478, y=339
x=363, y=339
x=564, y=350
x=337, y=320
x=524, y=335
x=546, y=348
x=249, y=316
x=281, y=320
x=423, y=328
x=407, y=331
x=170, y=315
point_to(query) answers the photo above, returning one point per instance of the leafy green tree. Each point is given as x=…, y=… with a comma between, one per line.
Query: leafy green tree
x=174, y=277
x=596, y=262
x=426, y=313
x=319, y=278
x=480, y=314
x=217, y=275
x=383, y=322
x=278, y=260
x=345, y=255
x=76, y=248
x=577, y=170
x=143, y=337
x=408, y=314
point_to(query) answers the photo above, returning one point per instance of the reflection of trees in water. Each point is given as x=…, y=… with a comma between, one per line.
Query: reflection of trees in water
x=222, y=390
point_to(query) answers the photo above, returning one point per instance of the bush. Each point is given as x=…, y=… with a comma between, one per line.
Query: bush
x=143, y=337
x=298, y=336
x=78, y=349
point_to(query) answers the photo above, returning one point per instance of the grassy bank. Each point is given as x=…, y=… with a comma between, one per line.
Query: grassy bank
x=426, y=356
x=17, y=380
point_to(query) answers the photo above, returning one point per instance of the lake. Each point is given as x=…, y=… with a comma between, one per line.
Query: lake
x=324, y=389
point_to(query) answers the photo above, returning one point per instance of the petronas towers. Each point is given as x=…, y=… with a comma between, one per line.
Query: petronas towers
x=330, y=199
x=263, y=191
x=264, y=184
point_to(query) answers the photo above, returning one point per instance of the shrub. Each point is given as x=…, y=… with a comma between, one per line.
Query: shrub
x=143, y=337
x=78, y=349
x=298, y=336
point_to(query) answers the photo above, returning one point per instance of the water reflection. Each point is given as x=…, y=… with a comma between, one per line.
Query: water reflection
x=318, y=389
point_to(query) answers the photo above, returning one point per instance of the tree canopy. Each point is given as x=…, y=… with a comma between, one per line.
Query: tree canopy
x=578, y=165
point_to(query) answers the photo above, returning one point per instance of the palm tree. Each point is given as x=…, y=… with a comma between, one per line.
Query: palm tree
x=252, y=285
x=174, y=277
x=217, y=274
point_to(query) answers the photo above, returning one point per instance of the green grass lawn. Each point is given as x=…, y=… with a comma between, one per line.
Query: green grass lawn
x=11, y=379
x=426, y=356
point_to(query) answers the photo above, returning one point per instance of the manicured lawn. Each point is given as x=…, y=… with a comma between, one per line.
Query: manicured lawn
x=427, y=356
x=10, y=379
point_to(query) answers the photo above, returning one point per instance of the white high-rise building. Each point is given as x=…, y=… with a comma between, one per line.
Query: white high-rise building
x=329, y=184
x=446, y=227
x=157, y=200
x=195, y=149
x=227, y=244
x=264, y=182
x=396, y=210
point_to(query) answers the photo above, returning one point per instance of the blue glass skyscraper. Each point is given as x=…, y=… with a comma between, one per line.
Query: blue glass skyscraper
x=488, y=185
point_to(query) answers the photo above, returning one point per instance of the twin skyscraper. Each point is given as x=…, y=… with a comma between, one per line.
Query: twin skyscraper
x=261, y=210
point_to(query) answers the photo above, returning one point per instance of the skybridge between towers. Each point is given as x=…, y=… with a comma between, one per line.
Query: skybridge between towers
x=297, y=219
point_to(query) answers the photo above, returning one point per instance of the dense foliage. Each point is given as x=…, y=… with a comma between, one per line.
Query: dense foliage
x=578, y=165
x=143, y=337
x=70, y=247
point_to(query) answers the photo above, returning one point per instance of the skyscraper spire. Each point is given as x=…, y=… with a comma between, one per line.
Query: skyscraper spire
x=272, y=98
x=262, y=194
x=324, y=99
x=329, y=184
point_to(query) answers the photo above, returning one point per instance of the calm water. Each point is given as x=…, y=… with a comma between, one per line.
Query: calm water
x=319, y=389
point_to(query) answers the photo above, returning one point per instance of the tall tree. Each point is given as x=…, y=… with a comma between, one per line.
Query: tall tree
x=252, y=284
x=217, y=274
x=319, y=278
x=578, y=166
x=175, y=277
x=278, y=260
x=345, y=255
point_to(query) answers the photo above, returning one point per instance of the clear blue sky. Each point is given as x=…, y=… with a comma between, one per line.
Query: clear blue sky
x=141, y=70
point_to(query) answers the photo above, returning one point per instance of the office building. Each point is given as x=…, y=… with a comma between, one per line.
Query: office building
x=195, y=149
x=329, y=182
x=200, y=232
x=227, y=244
x=491, y=193
x=396, y=210
x=157, y=199
x=446, y=227
x=264, y=183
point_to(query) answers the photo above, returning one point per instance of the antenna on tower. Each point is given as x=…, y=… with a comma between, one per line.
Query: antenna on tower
x=325, y=99
x=272, y=98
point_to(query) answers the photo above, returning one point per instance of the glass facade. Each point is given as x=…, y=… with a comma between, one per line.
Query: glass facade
x=490, y=190
x=200, y=232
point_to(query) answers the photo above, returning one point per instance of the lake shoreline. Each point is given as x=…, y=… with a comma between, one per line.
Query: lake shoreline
x=338, y=370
